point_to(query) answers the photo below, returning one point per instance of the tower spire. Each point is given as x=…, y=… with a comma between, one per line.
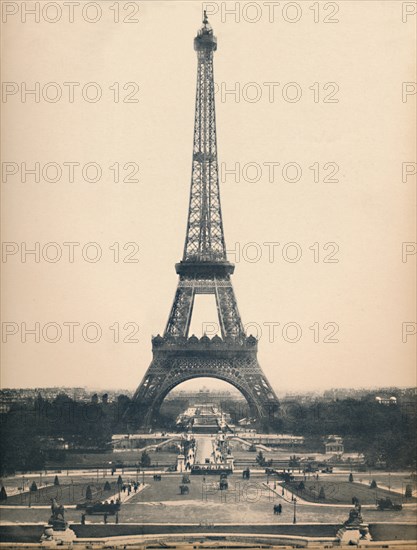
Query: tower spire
x=204, y=240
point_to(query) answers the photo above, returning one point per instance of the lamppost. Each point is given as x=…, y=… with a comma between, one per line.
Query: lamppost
x=295, y=511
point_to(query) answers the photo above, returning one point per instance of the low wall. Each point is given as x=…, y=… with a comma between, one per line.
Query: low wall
x=33, y=532
x=379, y=531
x=21, y=533
x=100, y=530
x=393, y=531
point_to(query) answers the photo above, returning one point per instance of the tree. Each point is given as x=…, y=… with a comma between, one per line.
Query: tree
x=33, y=487
x=119, y=480
x=89, y=493
x=294, y=461
x=145, y=459
x=107, y=486
x=408, y=491
x=301, y=486
x=3, y=494
x=351, y=477
x=56, y=480
x=322, y=495
x=260, y=459
x=373, y=484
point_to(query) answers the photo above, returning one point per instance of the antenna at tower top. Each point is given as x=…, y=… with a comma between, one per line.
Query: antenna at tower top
x=206, y=25
x=205, y=40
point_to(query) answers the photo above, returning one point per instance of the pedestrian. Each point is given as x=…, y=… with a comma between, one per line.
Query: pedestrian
x=279, y=508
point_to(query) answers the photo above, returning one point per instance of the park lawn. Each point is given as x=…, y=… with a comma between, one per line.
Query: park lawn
x=131, y=458
x=341, y=492
x=65, y=494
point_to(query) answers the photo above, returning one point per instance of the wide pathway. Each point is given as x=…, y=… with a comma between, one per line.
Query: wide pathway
x=204, y=450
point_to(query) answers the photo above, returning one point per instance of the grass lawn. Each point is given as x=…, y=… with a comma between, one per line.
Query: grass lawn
x=65, y=494
x=341, y=492
x=245, y=501
x=103, y=460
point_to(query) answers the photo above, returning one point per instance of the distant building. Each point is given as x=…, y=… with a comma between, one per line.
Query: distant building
x=53, y=443
x=204, y=396
x=334, y=445
x=386, y=400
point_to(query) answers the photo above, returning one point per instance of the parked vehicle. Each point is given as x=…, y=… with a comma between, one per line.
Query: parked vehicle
x=387, y=504
x=223, y=482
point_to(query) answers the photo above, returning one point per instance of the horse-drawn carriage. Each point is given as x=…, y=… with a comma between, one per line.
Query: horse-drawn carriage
x=223, y=482
x=186, y=478
x=184, y=489
x=387, y=504
x=104, y=509
x=285, y=476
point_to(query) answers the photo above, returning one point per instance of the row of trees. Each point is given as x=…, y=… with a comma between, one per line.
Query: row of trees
x=25, y=430
x=383, y=433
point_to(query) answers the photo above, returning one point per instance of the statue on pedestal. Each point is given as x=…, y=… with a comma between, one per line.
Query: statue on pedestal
x=56, y=532
x=57, y=519
x=355, y=516
x=354, y=529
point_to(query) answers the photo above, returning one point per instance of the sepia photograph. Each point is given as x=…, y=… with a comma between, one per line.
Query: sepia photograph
x=208, y=274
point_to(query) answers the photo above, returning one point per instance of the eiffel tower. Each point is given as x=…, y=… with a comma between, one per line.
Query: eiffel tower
x=204, y=269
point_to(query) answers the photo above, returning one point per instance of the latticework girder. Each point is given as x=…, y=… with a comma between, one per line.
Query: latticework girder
x=204, y=269
x=205, y=238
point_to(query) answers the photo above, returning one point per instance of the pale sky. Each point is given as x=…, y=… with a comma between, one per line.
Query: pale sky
x=368, y=212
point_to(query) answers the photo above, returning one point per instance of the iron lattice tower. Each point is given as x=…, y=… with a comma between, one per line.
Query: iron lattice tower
x=204, y=269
